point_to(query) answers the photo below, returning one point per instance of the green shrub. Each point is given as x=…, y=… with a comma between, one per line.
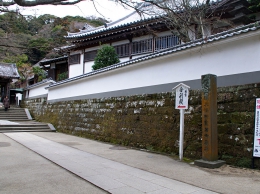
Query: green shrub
x=62, y=76
x=106, y=56
x=244, y=162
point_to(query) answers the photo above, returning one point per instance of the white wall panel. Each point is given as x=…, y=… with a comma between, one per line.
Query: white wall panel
x=75, y=70
x=220, y=59
x=38, y=91
x=88, y=66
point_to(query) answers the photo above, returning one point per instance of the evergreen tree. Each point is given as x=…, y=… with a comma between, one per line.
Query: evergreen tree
x=106, y=56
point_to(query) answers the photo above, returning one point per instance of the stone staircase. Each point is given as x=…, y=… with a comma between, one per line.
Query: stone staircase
x=15, y=114
x=20, y=120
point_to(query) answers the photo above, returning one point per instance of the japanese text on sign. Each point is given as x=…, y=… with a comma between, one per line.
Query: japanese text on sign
x=256, y=148
x=182, y=94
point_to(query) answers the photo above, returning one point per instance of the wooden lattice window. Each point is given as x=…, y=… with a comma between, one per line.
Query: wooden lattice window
x=90, y=55
x=165, y=42
x=74, y=59
x=122, y=50
x=143, y=46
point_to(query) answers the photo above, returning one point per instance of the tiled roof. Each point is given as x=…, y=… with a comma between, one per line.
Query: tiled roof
x=48, y=61
x=118, y=24
x=48, y=80
x=64, y=48
x=8, y=70
x=107, y=27
x=192, y=44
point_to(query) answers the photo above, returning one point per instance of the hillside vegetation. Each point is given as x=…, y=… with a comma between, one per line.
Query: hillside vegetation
x=35, y=37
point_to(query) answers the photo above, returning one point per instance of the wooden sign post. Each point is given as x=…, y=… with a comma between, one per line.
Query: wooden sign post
x=256, y=145
x=181, y=103
x=209, y=123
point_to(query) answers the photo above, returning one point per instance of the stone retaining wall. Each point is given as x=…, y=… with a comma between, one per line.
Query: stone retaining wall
x=151, y=122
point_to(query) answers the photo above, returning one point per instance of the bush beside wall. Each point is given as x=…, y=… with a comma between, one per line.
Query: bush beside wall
x=151, y=122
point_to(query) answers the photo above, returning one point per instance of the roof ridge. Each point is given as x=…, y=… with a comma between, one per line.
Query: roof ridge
x=39, y=83
x=199, y=42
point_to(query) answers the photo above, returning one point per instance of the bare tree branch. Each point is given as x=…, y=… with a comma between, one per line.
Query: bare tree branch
x=28, y=3
x=182, y=17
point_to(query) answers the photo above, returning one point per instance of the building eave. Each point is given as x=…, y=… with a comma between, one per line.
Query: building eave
x=49, y=61
x=103, y=31
x=49, y=80
x=224, y=36
x=9, y=71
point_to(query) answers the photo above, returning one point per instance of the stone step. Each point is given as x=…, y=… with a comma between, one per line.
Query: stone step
x=23, y=122
x=11, y=110
x=13, y=113
x=16, y=120
x=12, y=116
x=22, y=125
x=40, y=127
x=27, y=130
x=23, y=128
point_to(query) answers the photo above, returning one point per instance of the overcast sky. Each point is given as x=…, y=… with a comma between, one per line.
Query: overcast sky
x=107, y=8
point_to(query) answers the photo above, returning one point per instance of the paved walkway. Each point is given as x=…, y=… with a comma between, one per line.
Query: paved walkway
x=109, y=175
x=23, y=171
x=115, y=168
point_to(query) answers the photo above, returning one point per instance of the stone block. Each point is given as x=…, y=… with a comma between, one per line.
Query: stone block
x=209, y=164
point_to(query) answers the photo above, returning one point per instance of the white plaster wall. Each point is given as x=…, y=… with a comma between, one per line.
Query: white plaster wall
x=88, y=66
x=142, y=38
x=124, y=59
x=19, y=97
x=27, y=94
x=166, y=33
x=120, y=42
x=39, y=90
x=92, y=48
x=75, y=70
x=219, y=58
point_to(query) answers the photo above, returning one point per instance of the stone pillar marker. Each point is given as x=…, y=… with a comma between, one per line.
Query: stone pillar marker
x=209, y=123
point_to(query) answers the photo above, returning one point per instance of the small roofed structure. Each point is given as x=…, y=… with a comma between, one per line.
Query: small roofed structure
x=55, y=66
x=8, y=72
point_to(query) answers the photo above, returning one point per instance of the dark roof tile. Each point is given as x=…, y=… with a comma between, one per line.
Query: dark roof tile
x=213, y=38
x=8, y=70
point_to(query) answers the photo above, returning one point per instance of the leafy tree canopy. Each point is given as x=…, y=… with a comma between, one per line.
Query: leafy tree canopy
x=19, y=60
x=254, y=5
x=36, y=37
x=39, y=74
x=106, y=56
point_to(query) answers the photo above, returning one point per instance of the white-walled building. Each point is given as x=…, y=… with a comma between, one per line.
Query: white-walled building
x=38, y=90
x=231, y=55
x=134, y=36
x=155, y=62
